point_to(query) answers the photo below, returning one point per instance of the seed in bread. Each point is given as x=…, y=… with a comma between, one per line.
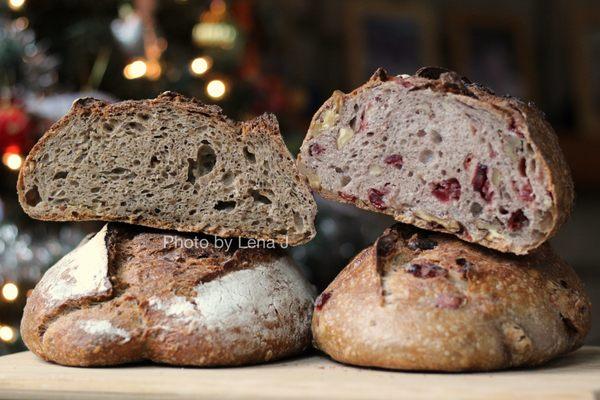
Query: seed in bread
x=425, y=301
x=170, y=163
x=440, y=153
x=131, y=294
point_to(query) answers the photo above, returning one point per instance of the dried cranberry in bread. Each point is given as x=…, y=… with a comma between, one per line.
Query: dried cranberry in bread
x=418, y=300
x=131, y=294
x=170, y=163
x=440, y=153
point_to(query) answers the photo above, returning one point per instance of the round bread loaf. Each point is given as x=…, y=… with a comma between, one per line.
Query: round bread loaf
x=131, y=294
x=426, y=301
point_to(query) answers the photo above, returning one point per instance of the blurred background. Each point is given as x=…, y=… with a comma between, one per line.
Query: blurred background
x=286, y=57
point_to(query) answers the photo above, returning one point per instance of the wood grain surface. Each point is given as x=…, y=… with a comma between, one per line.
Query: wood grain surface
x=23, y=376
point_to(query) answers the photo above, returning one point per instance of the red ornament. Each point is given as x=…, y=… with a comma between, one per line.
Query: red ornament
x=15, y=128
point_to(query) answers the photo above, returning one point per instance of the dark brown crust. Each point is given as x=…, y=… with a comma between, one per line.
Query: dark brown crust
x=527, y=119
x=428, y=301
x=264, y=124
x=142, y=271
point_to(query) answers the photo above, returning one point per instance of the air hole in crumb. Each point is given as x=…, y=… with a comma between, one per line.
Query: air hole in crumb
x=345, y=180
x=95, y=190
x=249, y=155
x=204, y=163
x=259, y=197
x=108, y=127
x=225, y=205
x=32, y=196
x=227, y=178
x=135, y=126
x=476, y=209
x=436, y=137
x=60, y=175
x=369, y=134
x=426, y=156
x=153, y=161
x=143, y=116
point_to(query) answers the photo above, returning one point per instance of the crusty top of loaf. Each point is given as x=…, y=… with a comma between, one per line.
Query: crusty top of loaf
x=428, y=301
x=140, y=296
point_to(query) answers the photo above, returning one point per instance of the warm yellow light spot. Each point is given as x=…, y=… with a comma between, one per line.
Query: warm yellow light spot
x=153, y=70
x=7, y=334
x=216, y=88
x=12, y=160
x=135, y=69
x=10, y=291
x=200, y=65
x=16, y=4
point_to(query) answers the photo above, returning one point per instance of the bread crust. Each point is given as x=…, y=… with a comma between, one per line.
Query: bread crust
x=427, y=301
x=527, y=120
x=180, y=305
x=265, y=124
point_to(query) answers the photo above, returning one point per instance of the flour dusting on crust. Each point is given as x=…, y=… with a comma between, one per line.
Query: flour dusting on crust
x=104, y=328
x=267, y=301
x=81, y=273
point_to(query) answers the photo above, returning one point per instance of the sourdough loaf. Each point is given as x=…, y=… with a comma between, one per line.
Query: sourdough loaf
x=417, y=300
x=438, y=152
x=170, y=163
x=131, y=294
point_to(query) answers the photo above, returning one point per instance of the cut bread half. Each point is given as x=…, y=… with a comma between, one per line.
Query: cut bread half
x=171, y=163
x=443, y=154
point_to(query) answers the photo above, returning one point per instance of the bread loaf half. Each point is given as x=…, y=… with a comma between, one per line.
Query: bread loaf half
x=440, y=153
x=170, y=163
x=132, y=294
x=427, y=301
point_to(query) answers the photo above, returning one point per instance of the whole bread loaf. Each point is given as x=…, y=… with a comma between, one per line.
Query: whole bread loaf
x=438, y=152
x=131, y=294
x=417, y=300
x=171, y=163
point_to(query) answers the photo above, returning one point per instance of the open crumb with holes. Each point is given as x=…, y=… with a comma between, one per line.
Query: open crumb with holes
x=130, y=294
x=419, y=300
x=443, y=154
x=171, y=163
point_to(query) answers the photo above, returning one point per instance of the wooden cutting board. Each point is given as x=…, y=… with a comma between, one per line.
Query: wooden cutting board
x=23, y=376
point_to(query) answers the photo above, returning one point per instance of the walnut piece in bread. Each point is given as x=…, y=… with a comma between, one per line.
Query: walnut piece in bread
x=438, y=152
x=425, y=301
x=169, y=163
x=128, y=294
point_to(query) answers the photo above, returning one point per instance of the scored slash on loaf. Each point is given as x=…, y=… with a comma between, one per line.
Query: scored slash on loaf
x=169, y=163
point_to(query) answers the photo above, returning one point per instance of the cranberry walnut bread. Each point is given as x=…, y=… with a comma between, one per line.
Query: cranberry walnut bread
x=438, y=152
x=131, y=294
x=417, y=300
x=171, y=163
